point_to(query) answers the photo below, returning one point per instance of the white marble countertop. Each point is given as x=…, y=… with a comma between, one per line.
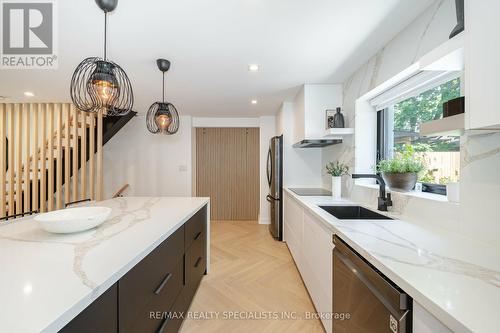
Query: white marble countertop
x=454, y=278
x=47, y=279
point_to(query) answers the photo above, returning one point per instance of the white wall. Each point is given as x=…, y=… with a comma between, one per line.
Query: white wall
x=480, y=154
x=158, y=165
x=225, y=122
x=152, y=164
x=302, y=167
x=318, y=99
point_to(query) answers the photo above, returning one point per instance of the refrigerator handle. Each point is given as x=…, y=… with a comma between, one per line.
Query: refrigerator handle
x=271, y=199
x=268, y=167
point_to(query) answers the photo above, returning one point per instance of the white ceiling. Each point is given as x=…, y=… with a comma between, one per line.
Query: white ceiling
x=211, y=43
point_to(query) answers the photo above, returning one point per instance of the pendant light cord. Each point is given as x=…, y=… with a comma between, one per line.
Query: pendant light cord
x=163, y=88
x=105, y=34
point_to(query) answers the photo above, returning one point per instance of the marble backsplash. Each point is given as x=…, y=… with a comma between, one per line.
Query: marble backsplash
x=475, y=216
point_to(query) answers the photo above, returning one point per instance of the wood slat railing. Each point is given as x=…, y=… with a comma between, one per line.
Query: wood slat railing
x=44, y=149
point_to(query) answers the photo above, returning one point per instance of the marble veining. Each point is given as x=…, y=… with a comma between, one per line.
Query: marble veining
x=64, y=273
x=379, y=57
x=433, y=260
x=468, y=157
x=100, y=235
x=454, y=278
x=479, y=152
x=425, y=31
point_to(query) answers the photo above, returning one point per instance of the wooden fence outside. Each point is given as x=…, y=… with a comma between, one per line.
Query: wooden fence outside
x=445, y=164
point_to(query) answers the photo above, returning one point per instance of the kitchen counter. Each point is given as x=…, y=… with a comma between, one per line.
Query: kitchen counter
x=454, y=278
x=47, y=279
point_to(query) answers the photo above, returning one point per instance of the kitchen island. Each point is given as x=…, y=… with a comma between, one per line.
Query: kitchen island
x=47, y=279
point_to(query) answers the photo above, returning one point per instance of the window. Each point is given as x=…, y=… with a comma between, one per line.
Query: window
x=399, y=124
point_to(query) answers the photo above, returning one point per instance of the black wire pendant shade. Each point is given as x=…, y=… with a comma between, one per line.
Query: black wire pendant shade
x=162, y=117
x=98, y=83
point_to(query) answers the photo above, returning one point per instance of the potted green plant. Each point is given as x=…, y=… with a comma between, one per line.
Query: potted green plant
x=337, y=170
x=400, y=173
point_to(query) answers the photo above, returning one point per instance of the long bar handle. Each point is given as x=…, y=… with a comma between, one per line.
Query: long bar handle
x=163, y=283
x=164, y=324
x=197, y=262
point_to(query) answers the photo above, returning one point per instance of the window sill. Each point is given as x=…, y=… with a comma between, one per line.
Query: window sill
x=415, y=194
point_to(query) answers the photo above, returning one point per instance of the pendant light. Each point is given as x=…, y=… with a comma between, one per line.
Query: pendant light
x=99, y=83
x=162, y=117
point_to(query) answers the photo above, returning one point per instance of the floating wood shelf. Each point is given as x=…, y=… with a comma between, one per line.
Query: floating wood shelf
x=449, y=126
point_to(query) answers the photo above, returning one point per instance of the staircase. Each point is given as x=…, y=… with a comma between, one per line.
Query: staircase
x=61, y=169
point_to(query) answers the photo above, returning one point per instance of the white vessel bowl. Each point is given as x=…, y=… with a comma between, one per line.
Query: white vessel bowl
x=71, y=220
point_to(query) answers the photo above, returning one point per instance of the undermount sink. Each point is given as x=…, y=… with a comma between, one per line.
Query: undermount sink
x=353, y=213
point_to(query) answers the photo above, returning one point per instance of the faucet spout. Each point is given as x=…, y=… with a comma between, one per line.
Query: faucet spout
x=384, y=200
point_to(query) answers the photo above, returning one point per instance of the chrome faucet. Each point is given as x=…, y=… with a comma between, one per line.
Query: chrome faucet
x=384, y=200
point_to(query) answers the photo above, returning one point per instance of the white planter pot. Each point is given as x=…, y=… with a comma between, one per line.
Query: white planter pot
x=336, y=187
x=453, y=192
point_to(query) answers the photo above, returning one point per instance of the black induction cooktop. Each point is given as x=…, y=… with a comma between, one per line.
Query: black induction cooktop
x=311, y=191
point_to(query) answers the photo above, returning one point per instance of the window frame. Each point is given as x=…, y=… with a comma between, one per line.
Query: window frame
x=383, y=151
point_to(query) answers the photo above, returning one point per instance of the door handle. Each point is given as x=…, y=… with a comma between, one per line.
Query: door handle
x=163, y=283
x=197, y=235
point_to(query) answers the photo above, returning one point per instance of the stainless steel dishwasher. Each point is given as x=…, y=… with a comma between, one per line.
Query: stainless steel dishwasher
x=364, y=300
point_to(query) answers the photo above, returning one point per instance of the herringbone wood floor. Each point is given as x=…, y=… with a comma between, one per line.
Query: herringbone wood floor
x=253, y=274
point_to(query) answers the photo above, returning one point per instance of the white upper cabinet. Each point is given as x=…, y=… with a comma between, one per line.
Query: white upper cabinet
x=310, y=107
x=482, y=64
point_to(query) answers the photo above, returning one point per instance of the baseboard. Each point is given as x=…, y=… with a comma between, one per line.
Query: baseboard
x=264, y=221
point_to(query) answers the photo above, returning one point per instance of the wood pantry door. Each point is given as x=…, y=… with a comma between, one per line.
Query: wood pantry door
x=227, y=171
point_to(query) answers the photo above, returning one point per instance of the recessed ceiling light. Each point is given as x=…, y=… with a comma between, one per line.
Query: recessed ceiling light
x=254, y=101
x=253, y=68
x=28, y=94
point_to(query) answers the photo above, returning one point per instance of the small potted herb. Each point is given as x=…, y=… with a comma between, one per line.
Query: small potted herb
x=337, y=170
x=401, y=172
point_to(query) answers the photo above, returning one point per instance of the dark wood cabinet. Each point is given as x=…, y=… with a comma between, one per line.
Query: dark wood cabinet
x=152, y=285
x=100, y=316
x=155, y=295
x=195, y=227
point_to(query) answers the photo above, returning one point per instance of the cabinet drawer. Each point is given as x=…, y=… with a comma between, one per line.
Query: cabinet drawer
x=196, y=262
x=173, y=321
x=100, y=316
x=150, y=318
x=156, y=276
x=195, y=266
x=195, y=227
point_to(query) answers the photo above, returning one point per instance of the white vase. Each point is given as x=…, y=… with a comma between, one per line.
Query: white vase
x=336, y=187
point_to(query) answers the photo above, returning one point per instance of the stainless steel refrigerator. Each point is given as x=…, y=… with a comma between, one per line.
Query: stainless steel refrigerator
x=275, y=180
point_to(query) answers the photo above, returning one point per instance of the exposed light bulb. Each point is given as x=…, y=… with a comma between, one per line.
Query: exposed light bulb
x=254, y=101
x=163, y=121
x=105, y=89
